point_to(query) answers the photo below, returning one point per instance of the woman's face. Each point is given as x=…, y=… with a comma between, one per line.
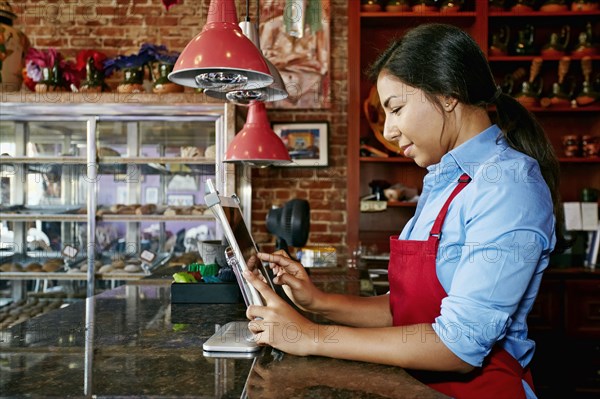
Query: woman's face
x=412, y=121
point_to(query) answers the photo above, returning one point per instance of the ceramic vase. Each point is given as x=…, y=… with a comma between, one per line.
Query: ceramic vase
x=13, y=46
x=133, y=79
x=162, y=84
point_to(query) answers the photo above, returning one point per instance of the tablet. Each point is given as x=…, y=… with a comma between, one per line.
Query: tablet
x=241, y=245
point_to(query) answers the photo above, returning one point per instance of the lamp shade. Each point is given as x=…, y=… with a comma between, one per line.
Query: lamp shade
x=275, y=92
x=220, y=57
x=257, y=144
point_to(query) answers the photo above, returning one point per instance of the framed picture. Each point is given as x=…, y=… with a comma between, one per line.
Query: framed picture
x=306, y=142
x=180, y=199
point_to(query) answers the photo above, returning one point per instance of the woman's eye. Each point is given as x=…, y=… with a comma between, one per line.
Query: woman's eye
x=395, y=111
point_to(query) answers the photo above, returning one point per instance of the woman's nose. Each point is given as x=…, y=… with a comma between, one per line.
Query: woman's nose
x=389, y=131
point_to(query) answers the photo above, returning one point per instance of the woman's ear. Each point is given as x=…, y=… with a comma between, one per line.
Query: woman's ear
x=449, y=103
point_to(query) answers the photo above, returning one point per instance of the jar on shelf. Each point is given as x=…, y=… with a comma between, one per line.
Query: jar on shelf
x=590, y=145
x=522, y=6
x=51, y=80
x=570, y=144
x=584, y=5
x=13, y=46
x=94, y=79
x=554, y=6
x=397, y=6
x=451, y=5
x=371, y=5
x=133, y=79
x=424, y=6
x=162, y=84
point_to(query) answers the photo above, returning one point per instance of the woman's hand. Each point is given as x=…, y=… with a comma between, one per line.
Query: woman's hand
x=292, y=276
x=277, y=324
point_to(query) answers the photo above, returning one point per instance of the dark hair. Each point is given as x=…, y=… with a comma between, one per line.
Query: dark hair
x=444, y=60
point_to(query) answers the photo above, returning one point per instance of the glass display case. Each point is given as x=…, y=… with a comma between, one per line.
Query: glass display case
x=105, y=192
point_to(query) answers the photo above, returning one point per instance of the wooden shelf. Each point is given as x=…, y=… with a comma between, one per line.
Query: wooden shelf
x=590, y=108
x=515, y=58
x=411, y=14
x=386, y=160
x=512, y=14
x=579, y=160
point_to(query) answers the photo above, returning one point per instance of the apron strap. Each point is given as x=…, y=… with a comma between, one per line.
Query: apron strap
x=436, y=230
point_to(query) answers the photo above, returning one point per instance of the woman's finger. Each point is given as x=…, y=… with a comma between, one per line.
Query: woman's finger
x=261, y=286
x=274, y=260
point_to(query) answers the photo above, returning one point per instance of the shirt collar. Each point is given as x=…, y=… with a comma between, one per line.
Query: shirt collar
x=470, y=155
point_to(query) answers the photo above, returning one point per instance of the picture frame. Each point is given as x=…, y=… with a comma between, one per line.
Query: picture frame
x=306, y=142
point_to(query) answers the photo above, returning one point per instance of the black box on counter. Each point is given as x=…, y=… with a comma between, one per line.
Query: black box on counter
x=206, y=293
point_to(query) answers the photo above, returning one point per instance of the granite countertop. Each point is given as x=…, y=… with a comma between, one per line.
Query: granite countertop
x=132, y=342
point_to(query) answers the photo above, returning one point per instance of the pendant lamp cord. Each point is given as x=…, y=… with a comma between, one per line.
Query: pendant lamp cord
x=258, y=13
x=247, y=10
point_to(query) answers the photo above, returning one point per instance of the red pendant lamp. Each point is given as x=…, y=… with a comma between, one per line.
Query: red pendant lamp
x=257, y=144
x=274, y=92
x=220, y=57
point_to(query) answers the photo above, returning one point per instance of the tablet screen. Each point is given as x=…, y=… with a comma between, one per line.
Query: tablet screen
x=241, y=243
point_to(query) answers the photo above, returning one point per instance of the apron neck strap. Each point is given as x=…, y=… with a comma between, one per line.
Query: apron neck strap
x=436, y=230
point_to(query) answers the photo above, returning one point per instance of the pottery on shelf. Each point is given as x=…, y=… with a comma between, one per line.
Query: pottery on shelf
x=557, y=45
x=370, y=5
x=397, y=6
x=133, y=79
x=162, y=84
x=94, y=79
x=524, y=44
x=51, y=80
x=451, y=5
x=554, y=6
x=499, y=46
x=13, y=46
x=585, y=5
x=424, y=6
x=522, y=6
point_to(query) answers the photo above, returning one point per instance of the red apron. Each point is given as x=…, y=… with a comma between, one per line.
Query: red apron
x=416, y=297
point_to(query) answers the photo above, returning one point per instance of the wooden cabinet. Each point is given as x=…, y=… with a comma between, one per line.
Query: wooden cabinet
x=369, y=34
x=565, y=324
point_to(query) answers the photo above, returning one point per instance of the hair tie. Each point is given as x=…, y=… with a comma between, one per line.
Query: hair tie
x=495, y=96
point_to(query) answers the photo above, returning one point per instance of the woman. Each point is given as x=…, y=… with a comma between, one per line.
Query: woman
x=466, y=269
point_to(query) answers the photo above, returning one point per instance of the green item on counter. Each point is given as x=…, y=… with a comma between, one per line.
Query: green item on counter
x=184, y=277
x=194, y=267
x=209, y=270
x=180, y=327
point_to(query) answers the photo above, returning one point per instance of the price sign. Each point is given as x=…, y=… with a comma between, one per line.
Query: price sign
x=69, y=251
x=147, y=256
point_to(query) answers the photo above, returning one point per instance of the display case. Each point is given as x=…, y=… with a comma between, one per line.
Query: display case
x=102, y=193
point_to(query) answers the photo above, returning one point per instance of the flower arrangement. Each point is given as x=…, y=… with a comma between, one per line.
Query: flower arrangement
x=169, y=3
x=47, y=70
x=133, y=65
x=90, y=63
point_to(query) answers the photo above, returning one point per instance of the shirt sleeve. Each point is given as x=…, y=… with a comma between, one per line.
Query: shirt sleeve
x=508, y=228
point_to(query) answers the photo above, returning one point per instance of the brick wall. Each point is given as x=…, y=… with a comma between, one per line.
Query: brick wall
x=121, y=26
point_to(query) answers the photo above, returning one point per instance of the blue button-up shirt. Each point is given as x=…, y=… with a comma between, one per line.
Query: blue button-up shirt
x=495, y=244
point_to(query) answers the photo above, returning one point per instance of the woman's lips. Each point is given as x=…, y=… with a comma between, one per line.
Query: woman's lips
x=406, y=149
